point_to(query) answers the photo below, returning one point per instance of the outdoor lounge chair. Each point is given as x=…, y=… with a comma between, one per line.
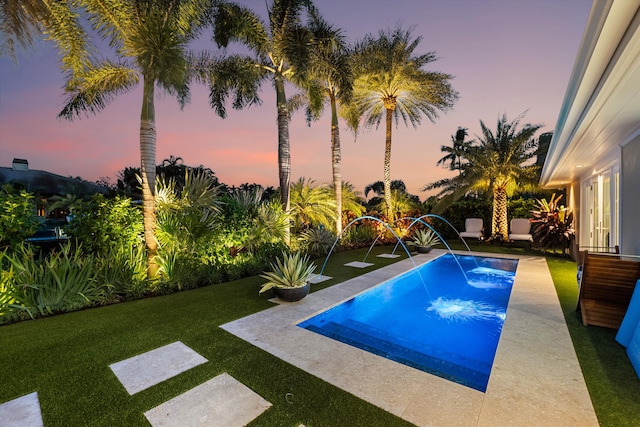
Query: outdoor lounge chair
x=606, y=286
x=472, y=228
x=520, y=230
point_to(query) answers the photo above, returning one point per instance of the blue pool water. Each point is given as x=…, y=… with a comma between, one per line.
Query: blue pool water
x=430, y=318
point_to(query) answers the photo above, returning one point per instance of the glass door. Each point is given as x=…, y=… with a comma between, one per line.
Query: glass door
x=601, y=203
x=603, y=225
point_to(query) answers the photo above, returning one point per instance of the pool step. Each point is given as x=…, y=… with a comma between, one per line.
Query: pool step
x=375, y=341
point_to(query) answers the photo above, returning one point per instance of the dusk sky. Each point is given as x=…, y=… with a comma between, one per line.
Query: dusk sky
x=507, y=56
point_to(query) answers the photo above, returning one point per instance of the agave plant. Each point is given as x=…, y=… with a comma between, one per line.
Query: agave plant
x=552, y=224
x=292, y=271
x=426, y=238
x=317, y=241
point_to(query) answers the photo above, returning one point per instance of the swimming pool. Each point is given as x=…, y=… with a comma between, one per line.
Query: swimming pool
x=433, y=318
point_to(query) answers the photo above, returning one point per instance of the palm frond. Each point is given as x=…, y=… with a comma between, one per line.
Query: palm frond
x=20, y=23
x=232, y=22
x=311, y=204
x=62, y=26
x=234, y=76
x=96, y=87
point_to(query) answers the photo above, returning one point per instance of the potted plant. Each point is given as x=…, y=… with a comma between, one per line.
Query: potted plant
x=425, y=240
x=290, y=277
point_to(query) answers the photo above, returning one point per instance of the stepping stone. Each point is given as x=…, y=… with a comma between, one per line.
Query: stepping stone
x=358, y=264
x=145, y=370
x=387, y=256
x=21, y=412
x=317, y=278
x=222, y=401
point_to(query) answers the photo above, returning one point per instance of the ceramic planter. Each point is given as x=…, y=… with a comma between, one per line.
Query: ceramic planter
x=292, y=294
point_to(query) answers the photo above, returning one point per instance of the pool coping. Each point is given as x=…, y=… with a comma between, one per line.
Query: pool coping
x=536, y=377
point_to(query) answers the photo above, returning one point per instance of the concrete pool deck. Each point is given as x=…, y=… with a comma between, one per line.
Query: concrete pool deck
x=535, y=379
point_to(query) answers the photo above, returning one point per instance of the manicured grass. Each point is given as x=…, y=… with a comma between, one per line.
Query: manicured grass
x=612, y=382
x=66, y=359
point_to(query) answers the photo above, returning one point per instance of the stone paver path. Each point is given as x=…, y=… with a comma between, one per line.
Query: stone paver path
x=358, y=264
x=21, y=412
x=145, y=370
x=222, y=401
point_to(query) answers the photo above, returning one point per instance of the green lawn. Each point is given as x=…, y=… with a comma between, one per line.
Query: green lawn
x=66, y=358
x=612, y=382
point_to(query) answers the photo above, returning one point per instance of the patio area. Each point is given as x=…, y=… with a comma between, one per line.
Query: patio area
x=536, y=377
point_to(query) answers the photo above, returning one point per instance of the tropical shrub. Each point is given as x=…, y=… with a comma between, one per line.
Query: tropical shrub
x=521, y=207
x=552, y=224
x=180, y=270
x=317, y=241
x=65, y=280
x=248, y=198
x=268, y=226
x=312, y=205
x=123, y=271
x=13, y=299
x=18, y=219
x=359, y=235
x=402, y=204
x=352, y=201
x=101, y=224
x=186, y=216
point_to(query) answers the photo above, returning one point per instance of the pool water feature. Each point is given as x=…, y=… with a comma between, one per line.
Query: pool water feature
x=450, y=330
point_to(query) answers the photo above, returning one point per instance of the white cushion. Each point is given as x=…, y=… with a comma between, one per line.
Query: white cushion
x=472, y=225
x=520, y=226
x=472, y=234
x=521, y=237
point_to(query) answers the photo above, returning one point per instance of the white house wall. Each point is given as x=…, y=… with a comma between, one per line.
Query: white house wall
x=630, y=203
x=598, y=126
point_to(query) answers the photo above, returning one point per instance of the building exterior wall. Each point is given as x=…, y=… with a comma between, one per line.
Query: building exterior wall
x=630, y=198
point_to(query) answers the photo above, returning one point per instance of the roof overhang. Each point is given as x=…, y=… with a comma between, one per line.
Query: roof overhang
x=601, y=108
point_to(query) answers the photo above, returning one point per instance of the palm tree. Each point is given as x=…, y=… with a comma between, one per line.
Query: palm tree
x=402, y=203
x=149, y=39
x=390, y=82
x=378, y=187
x=311, y=204
x=499, y=164
x=282, y=50
x=456, y=153
x=352, y=201
x=331, y=70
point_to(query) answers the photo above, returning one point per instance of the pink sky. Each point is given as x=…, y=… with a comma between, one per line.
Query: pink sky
x=507, y=56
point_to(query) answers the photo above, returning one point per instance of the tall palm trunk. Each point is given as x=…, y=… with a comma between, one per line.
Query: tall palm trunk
x=387, y=166
x=284, y=152
x=148, y=172
x=336, y=159
x=499, y=225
